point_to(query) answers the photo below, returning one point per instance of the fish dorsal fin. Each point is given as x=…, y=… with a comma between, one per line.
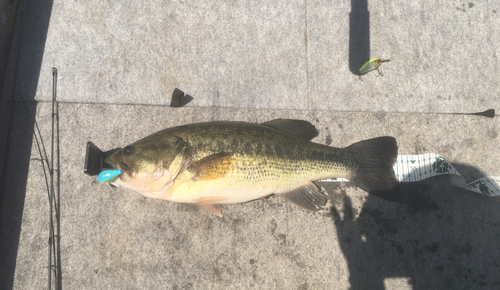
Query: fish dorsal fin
x=298, y=128
x=307, y=197
x=213, y=166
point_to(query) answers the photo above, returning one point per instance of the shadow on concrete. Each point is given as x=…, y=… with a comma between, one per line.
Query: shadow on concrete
x=468, y=172
x=17, y=129
x=435, y=236
x=6, y=32
x=187, y=99
x=359, y=35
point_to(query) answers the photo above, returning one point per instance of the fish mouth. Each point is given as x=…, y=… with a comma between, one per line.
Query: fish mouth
x=125, y=174
x=126, y=170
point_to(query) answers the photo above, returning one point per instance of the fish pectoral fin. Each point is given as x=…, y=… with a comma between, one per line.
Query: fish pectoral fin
x=210, y=204
x=298, y=128
x=307, y=197
x=213, y=166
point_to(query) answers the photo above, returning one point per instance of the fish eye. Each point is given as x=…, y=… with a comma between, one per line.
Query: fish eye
x=129, y=150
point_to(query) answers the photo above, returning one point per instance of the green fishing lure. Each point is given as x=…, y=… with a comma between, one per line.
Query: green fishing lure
x=372, y=64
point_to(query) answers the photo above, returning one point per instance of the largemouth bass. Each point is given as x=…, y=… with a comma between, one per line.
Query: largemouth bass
x=232, y=162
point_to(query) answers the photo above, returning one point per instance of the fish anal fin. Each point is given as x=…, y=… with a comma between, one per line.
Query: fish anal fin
x=298, y=128
x=213, y=166
x=307, y=197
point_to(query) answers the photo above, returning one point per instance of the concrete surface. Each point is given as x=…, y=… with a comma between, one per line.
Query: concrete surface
x=284, y=55
x=255, y=62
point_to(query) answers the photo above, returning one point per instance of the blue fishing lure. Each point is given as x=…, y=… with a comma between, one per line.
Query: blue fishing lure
x=107, y=175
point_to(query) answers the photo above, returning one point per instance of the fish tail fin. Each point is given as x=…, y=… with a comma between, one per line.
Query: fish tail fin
x=374, y=167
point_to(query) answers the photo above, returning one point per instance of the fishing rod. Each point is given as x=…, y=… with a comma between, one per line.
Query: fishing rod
x=54, y=239
x=488, y=113
x=48, y=171
x=54, y=204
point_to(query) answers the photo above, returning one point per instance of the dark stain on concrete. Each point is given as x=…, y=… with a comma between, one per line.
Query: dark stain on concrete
x=493, y=134
x=328, y=139
x=433, y=248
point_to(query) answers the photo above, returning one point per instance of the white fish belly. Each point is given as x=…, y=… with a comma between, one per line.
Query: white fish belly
x=216, y=191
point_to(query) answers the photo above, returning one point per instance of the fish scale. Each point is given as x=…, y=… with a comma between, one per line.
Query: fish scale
x=281, y=162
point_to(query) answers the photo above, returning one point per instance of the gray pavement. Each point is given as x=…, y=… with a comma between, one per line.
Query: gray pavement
x=118, y=65
x=286, y=55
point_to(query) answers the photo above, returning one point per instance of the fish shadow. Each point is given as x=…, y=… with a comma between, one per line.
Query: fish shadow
x=426, y=235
